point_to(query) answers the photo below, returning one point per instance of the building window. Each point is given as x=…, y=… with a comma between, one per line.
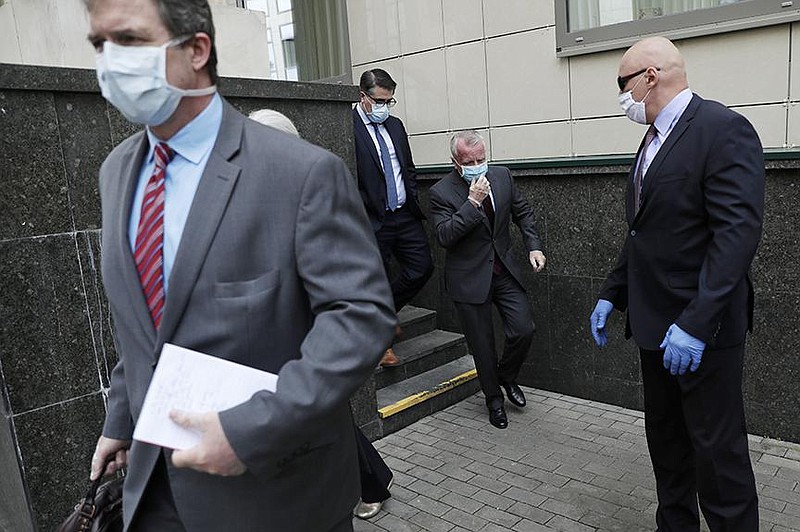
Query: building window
x=289, y=54
x=284, y=5
x=585, y=26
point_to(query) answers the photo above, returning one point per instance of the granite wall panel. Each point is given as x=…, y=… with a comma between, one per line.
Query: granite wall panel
x=15, y=514
x=772, y=367
x=56, y=445
x=33, y=192
x=45, y=344
x=85, y=137
x=99, y=312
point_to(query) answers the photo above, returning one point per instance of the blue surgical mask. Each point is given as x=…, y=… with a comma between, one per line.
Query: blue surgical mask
x=379, y=113
x=470, y=173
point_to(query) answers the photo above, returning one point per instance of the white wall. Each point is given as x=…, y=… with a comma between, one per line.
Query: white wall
x=491, y=65
x=53, y=33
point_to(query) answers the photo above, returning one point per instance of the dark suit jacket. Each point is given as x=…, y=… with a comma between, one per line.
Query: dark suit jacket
x=277, y=269
x=371, y=181
x=471, y=243
x=688, y=250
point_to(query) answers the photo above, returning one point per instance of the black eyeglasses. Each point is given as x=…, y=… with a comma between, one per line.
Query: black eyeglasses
x=391, y=102
x=623, y=81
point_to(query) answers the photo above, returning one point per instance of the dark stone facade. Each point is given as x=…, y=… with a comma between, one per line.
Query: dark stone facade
x=580, y=215
x=56, y=346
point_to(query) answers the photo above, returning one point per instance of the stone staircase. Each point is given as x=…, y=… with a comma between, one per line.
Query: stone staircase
x=435, y=371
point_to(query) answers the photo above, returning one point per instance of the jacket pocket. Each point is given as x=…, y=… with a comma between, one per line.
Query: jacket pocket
x=252, y=287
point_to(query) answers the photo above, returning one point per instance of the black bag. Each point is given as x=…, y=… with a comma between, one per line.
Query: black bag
x=100, y=510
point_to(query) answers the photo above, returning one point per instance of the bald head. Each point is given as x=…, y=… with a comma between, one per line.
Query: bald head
x=665, y=74
x=657, y=52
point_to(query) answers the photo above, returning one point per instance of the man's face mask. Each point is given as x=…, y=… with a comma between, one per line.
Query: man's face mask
x=470, y=173
x=635, y=111
x=134, y=80
x=379, y=113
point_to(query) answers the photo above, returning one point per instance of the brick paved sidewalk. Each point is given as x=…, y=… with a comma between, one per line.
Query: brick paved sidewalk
x=563, y=464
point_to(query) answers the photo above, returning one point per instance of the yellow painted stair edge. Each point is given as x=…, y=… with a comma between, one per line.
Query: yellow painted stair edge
x=417, y=398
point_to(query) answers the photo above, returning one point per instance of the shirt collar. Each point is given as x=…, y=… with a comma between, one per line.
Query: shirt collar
x=670, y=114
x=193, y=142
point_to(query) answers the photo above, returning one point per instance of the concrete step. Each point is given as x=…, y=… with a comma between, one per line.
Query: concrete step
x=412, y=399
x=415, y=321
x=420, y=354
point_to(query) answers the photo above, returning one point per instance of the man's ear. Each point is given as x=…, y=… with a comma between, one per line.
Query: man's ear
x=201, y=50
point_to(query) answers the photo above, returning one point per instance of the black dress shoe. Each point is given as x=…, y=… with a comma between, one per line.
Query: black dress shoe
x=514, y=394
x=498, y=418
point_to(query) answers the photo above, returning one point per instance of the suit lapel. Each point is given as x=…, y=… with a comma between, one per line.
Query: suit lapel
x=677, y=132
x=364, y=137
x=132, y=163
x=208, y=207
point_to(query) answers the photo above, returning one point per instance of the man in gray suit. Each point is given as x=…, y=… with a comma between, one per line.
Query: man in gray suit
x=472, y=208
x=237, y=240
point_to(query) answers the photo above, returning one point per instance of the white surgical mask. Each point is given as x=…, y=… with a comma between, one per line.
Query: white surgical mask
x=634, y=110
x=379, y=113
x=134, y=80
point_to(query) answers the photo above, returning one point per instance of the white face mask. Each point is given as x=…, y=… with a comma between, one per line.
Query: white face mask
x=134, y=80
x=634, y=110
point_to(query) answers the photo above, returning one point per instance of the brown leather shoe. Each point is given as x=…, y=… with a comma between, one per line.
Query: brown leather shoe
x=389, y=358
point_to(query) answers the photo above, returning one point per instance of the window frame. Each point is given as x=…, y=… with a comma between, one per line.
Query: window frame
x=710, y=21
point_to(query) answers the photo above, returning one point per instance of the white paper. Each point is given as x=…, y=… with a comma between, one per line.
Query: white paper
x=192, y=381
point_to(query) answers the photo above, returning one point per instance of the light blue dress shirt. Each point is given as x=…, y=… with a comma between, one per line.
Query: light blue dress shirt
x=192, y=146
x=665, y=123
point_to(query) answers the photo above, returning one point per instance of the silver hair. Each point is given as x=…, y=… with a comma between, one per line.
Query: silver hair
x=272, y=118
x=470, y=138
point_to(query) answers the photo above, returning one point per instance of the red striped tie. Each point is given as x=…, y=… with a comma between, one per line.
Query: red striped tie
x=149, y=249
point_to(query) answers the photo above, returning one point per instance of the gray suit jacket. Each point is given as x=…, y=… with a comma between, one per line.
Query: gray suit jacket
x=470, y=241
x=277, y=269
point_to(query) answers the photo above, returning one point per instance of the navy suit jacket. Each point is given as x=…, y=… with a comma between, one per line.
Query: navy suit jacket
x=371, y=181
x=687, y=254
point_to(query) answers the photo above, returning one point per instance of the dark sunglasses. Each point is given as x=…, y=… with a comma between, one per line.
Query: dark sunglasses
x=623, y=81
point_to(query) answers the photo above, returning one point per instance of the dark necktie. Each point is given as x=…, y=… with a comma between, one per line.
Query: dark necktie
x=149, y=248
x=638, y=176
x=388, y=171
x=488, y=209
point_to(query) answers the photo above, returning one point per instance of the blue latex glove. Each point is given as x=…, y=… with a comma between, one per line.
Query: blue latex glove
x=598, y=321
x=680, y=348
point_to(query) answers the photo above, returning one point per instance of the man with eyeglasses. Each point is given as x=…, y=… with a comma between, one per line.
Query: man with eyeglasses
x=387, y=180
x=694, y=208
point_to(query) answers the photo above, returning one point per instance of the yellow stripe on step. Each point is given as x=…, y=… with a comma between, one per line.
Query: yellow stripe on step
x=417, y=398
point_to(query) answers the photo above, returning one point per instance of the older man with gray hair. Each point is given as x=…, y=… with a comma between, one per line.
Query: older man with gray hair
x=472, y=208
